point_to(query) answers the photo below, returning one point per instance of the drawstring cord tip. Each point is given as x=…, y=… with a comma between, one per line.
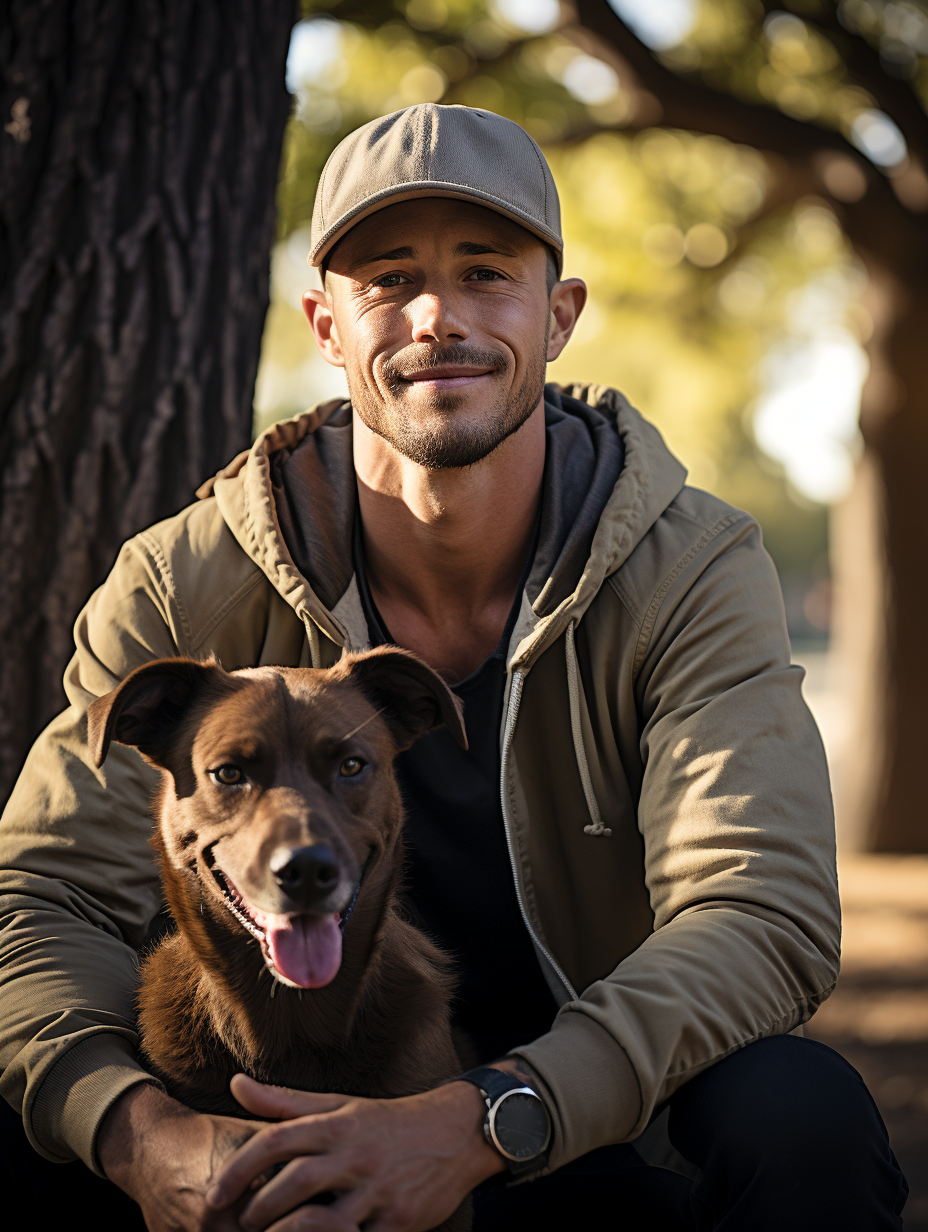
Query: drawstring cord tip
x=598, y=828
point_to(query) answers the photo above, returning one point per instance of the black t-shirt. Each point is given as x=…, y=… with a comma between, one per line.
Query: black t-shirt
x=459, y=879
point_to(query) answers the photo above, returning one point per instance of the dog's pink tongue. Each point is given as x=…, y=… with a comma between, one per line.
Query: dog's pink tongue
x=305, y=949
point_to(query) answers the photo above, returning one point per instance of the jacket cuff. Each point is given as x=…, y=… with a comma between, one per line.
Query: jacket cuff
x=77, y=1093
x=589, y=1085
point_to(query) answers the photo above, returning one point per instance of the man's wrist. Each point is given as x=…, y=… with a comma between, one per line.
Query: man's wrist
x=129, y=1119
x=517, y=1123
x=469, y=1110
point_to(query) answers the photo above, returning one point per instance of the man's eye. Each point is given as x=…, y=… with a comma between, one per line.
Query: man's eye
x=227, y=775
x=351, y=766
x=391, y=280
x=485, y=275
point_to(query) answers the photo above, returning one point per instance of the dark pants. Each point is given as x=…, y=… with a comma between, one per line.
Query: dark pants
x=781, y=1135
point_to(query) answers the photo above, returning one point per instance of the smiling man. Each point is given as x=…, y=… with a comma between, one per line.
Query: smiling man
x=632, y=863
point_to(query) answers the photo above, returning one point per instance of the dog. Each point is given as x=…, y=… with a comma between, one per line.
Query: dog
x=278, y=829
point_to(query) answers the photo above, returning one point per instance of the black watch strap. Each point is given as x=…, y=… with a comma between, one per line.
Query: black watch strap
x=493, y=1084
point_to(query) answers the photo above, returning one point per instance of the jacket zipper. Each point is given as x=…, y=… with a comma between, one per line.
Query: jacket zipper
x=515, y=696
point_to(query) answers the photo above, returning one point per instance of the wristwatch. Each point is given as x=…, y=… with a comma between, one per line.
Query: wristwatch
x=517, y=1122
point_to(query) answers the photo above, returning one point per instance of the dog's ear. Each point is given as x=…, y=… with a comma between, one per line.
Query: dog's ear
x=145, y=709
x=412, y=697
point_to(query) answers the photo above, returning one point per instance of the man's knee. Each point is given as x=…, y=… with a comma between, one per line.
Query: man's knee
x=779, y=1098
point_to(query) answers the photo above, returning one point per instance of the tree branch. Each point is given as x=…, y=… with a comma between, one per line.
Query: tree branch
x=692, y=104
x=894, y=96
x=879, y=223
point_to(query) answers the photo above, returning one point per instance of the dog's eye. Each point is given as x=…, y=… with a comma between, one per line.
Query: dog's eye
x=228, y=776
x=351, y=766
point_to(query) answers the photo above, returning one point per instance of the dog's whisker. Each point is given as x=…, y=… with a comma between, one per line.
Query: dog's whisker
x=273, y=988
x=364, y=724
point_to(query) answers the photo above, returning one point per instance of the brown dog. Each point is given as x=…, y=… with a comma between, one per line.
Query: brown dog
x=278, y=828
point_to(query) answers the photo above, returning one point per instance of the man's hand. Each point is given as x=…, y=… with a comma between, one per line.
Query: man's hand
x=397, y=1165
x=166, y=1157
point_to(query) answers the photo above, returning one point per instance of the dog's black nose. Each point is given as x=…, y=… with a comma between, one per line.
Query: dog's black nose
x=308, y=875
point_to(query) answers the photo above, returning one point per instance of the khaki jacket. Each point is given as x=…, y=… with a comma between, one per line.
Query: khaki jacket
x=664, y=791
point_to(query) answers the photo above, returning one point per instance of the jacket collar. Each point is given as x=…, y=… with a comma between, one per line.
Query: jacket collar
x=650, y=479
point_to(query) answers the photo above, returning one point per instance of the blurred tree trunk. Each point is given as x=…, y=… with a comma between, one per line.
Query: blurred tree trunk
x=881, y=532
x=894, y=422
x=138, y=169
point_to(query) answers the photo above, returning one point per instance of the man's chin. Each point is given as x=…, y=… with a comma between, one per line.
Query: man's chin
x=444, y=430
x=445, y=451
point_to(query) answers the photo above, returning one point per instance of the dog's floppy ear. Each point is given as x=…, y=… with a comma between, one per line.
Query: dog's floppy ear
x=413, y=698
x=145, y=709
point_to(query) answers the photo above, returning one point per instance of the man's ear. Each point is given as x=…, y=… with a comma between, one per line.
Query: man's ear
x=145, y=709
x=566, y=303
x=321, y=320
x=413, y=698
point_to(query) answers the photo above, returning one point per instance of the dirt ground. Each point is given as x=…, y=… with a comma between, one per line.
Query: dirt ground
x=878, y=1015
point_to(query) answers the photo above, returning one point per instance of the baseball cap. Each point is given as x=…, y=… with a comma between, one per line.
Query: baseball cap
x=430, y=150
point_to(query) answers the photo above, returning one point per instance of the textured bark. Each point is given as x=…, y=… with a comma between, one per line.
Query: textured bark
x=884, y=798
x=138, y=169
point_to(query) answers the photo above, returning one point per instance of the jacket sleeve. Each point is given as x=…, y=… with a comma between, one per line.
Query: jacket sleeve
x=736, y=816
x=78, y=880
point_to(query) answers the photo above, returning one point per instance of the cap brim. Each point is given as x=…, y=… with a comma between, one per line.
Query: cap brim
x=430, y=188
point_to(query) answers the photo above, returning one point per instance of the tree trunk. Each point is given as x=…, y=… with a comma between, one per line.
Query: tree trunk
x=897, y=441
x=138, y=169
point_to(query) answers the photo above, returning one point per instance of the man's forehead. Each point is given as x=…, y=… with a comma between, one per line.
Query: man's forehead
x=405, y=229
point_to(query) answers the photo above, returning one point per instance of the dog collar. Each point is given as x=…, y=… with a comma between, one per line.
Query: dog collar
x=348, y=910
x=354, y=898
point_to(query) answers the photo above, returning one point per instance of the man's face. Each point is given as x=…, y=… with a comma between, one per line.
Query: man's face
x=441, y=317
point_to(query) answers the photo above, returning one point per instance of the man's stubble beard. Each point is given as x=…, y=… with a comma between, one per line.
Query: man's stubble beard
x=445, y=442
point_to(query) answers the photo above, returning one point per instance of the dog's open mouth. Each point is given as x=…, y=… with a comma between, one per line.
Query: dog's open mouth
x=304, y=951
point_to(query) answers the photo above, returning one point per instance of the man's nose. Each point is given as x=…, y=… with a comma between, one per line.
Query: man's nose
x=307, y=875
x=435, y=316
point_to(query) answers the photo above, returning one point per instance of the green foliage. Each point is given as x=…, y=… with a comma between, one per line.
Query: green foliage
x=691, y=278
x=799, y=54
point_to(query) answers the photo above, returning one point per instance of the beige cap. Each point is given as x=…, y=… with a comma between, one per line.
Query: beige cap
x=433, y=151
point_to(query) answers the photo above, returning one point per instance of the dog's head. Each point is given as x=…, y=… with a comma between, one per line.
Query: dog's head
x=277, y=786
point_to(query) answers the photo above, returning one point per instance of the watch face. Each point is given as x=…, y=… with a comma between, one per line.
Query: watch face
x=519, y=1124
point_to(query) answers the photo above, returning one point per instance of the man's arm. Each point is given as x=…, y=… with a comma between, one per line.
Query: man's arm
x=78, y=878
x=735, y=812
x=79, y=886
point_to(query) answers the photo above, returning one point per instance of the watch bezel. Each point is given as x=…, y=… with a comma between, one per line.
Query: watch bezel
x=490, y=1124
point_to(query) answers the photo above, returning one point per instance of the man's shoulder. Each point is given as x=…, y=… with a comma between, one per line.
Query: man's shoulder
x=694, y=530
x=699, y=513
x=196, y=563
x=197, y=539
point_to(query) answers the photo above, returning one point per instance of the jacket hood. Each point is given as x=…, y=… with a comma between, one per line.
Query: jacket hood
x=608, y=478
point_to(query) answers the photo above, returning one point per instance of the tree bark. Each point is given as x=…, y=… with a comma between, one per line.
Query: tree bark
x=138, y=168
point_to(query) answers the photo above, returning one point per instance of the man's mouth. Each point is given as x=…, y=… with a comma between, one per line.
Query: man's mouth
x=450, y=377
x=301, y=950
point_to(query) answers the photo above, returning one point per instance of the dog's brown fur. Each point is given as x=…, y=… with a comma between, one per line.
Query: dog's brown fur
x=209, y=1005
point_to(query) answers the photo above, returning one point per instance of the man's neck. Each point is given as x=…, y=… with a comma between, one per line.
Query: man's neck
x=444, y=550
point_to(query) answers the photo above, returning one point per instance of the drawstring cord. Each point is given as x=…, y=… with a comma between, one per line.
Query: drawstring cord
x=312, y=632
x=596, y=826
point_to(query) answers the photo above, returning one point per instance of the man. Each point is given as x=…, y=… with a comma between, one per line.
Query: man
x=634, y=863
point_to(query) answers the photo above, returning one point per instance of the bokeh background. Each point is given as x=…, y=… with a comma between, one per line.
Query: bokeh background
x=744, y=189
